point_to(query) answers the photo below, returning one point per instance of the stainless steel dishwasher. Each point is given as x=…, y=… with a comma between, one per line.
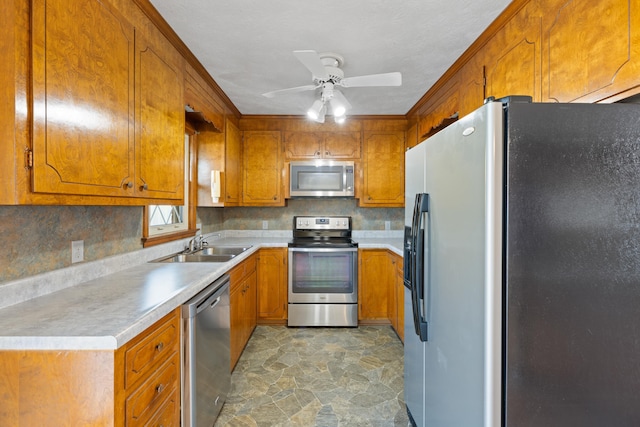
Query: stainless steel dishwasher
x=206, y=372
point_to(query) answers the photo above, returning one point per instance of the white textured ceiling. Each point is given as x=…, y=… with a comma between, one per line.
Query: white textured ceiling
x=247, y=45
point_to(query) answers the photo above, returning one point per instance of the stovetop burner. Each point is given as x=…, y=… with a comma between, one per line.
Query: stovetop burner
x=325, y=231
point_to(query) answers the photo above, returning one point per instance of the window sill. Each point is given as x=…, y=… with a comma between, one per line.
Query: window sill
x=164, y=238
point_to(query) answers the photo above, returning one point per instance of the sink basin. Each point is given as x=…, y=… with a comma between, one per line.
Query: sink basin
x=196, y=257
x=208, y=254
x=223, y=250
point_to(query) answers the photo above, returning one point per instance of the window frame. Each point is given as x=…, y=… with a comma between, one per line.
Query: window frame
x=191, y=194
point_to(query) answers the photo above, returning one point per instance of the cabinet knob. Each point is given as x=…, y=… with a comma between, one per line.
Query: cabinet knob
x=326, y=153
x=144, y=187
x=275, y=198
x=159, y=346
x=128, y=184
x=159, y=388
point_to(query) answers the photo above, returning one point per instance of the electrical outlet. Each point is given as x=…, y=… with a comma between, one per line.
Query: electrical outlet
x=265, y=225
x=387, y=225
x=77, y=251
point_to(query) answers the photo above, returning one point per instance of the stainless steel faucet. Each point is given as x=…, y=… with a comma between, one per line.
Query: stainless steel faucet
x=197, y=243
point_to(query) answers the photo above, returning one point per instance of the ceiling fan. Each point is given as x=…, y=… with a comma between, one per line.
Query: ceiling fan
x=327, y=75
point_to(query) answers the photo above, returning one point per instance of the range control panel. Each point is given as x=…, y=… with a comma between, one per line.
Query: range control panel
x=322, y=222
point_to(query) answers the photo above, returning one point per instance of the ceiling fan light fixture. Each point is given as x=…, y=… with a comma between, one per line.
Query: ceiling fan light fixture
x=338, y=108
x=316, y=111
x=340, y=119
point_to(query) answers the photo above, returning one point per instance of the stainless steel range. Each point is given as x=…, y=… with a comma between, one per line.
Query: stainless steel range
x=323, y=272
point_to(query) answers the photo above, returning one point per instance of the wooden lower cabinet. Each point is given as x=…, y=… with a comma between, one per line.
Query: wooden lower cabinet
x=397, y=288
x=272, y=286
x=374, y=268
x=137, y=384
x=381, y=289
x=243, y=303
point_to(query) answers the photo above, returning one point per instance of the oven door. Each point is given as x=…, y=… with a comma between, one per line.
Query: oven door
x=323, y=275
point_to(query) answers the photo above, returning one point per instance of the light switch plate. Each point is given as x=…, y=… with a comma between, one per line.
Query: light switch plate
x=265, y=225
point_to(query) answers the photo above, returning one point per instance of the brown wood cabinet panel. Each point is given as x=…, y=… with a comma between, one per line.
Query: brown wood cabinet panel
x=374, y=273
x=199, y=97
x=211, y=156
x=512, y=57
x=56, y=388
x=383, y=171
x=399, y=290
x=154, y=346
x=309, y=145
x=590, y=50
x=83, y=98
x=152, y=394
x=262, y=169
x=242, y=299
x=159, y=118
x=272, y=285
x=342, y=145
x=303, y=145
x=233, y=165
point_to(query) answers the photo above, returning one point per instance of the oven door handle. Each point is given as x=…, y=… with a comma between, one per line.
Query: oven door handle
x=323, y=249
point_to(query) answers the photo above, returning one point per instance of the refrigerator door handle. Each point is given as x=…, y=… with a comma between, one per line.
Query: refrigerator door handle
x=421, y=207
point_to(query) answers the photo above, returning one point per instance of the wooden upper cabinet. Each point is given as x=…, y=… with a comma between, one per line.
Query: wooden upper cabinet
x=108, y=104
x=199, y=98
x=233, y=165
x=512, y=57
x=383, y=171
x=591, y=49
x=321, y=145
x=83, y=99
x=159, y=118
x=262, y=169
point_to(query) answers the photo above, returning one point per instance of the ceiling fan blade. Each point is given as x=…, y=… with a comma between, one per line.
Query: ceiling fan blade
x=290, y=90
x=311, y=60
x=386, y=79
x=340, y=97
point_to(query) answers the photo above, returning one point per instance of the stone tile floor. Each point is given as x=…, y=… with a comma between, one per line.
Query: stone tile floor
x=318, y=377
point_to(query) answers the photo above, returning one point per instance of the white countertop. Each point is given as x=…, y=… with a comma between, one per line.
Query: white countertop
x=105, y=312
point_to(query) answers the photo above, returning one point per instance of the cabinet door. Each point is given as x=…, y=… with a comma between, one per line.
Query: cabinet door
x=373, y=285
x=233, y=163
x=591, y=49
x=159, y=118
x=83, y=99
x=383, y=172
x=399, y=289
x=272, y=284
x=302, y=145
x=262, y=168
x=236, y=303
x=512, y=57
x=251, y=304
x=342, y=145
x=392, y=307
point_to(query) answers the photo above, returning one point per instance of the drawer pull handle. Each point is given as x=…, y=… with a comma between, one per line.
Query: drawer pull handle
x=159, y=388
x=159, y=347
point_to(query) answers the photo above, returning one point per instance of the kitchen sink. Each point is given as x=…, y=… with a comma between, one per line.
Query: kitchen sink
x=208, y=254
x=223, y=250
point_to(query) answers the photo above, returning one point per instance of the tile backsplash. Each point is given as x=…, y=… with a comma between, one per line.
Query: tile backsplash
x=37, y=239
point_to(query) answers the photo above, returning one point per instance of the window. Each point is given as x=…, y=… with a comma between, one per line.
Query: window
x=163, y=223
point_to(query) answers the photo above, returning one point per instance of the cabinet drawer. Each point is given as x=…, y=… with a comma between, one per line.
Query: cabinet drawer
x=243, y=270
x=158, y=342
x=168, y=414
x=153, y=393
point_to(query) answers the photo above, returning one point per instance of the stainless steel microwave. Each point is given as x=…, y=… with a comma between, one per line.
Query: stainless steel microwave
x=321, y=178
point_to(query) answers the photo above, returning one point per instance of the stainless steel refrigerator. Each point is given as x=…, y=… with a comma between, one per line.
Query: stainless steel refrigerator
x=522, y=268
